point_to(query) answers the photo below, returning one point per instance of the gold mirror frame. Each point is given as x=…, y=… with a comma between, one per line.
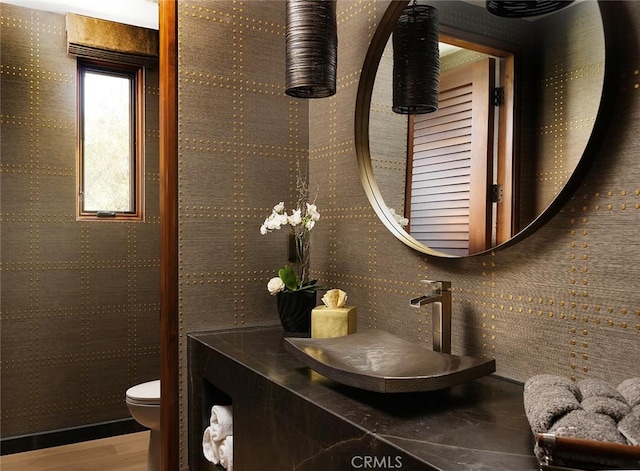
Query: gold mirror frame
x=362, y=116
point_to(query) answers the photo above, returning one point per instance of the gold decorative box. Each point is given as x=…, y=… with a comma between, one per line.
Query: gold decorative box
x=333, y=322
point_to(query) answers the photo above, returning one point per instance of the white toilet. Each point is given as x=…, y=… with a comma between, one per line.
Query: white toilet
x=143, y=402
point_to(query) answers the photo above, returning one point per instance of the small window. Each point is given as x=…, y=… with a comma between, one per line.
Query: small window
x=110, y=141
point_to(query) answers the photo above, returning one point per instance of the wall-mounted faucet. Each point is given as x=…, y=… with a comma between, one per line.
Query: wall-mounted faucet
x=440, y=299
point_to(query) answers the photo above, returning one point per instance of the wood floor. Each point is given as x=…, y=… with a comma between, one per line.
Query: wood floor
x=121, y=453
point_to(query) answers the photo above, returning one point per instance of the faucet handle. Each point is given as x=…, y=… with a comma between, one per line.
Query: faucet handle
x=437, y=286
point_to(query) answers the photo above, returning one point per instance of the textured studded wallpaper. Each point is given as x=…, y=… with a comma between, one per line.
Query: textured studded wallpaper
x=240, y=142
x=80, y=300
x=562, y=301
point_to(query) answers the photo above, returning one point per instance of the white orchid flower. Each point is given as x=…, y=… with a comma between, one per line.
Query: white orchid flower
x=312, y=212
x=295, y=218
x=283, y=219
x=309, y=223
x=275, y=221
x=266, y=225
x=301, y=220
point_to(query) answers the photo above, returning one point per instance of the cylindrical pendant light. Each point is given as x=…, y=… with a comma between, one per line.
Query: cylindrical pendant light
x=311, y=48
x=416, y=61
x=525, y=8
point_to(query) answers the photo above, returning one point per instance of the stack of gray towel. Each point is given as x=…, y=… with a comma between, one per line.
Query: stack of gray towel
x=590, y=409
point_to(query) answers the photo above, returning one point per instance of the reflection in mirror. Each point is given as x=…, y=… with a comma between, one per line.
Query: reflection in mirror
x=441, y=172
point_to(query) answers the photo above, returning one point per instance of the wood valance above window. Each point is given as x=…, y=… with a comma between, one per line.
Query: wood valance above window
x=107, y=40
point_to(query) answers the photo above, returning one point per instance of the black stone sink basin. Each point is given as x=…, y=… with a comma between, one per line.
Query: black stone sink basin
x=379, y=361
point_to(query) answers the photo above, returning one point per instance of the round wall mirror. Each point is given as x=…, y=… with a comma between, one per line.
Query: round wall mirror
x=519, y=106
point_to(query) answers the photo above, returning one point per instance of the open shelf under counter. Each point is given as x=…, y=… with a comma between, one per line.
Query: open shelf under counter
x=287, y=416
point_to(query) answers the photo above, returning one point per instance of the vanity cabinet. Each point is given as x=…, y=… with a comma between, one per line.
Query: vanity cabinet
x=286, y=416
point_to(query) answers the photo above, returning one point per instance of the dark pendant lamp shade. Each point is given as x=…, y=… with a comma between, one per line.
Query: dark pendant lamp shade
x=525, y=8
x=311, y=48
x=416, y=61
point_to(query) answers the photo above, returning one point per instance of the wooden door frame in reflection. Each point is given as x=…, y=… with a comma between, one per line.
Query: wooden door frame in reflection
x=442, y=169
x=507, y=212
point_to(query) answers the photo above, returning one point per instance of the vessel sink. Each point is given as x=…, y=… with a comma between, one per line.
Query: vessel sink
x=379, y=361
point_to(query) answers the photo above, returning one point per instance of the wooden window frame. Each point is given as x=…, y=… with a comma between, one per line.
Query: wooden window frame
x=137, y=110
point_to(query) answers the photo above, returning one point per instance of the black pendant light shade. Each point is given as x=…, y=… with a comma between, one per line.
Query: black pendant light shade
x=525, y=8
x=416, y=61
x=311, y=48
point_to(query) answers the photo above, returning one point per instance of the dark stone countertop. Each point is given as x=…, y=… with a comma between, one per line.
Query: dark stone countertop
x=477, y=426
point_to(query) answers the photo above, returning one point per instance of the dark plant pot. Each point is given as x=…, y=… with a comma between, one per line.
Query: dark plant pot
x=294, y=309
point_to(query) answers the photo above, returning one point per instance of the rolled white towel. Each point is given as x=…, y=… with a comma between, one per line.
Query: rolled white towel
x=226, y=453
x=221, y=422
x=210, y=448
